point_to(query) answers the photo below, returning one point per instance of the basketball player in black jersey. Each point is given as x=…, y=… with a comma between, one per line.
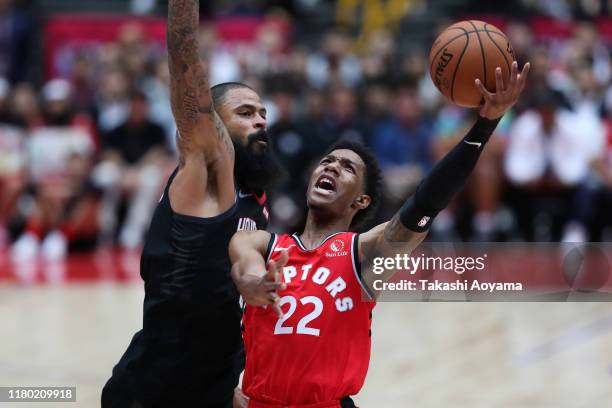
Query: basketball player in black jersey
x=189, y=351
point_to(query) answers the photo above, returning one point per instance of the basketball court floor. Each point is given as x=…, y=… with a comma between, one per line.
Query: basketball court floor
x=58, y=329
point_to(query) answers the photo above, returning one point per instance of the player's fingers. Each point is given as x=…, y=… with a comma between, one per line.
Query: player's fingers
x=273, y=286
x=277, y=309
x=272, y=270
x=272, y=296
x=513, y=75
x=499, y=81
x=275, y=300
x=278, y=280
x=523, y=77
x=483, y=91
x=284, y=257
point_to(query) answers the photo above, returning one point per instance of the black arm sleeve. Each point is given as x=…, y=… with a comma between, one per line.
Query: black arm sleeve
x=447, y=178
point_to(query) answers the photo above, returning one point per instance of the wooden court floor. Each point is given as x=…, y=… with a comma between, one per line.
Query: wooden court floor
x=424, y=354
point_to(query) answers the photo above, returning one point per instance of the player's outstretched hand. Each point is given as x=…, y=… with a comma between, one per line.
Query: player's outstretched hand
x=505, y=95
x=264, y=291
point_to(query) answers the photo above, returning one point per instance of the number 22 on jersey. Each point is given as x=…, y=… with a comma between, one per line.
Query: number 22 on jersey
x=302, y=326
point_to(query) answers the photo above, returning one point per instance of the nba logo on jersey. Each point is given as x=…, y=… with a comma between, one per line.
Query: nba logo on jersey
x=423, y=221
x=246, y=224
x=337, y=247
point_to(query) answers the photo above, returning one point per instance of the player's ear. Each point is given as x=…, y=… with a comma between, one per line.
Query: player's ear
x=362, y=202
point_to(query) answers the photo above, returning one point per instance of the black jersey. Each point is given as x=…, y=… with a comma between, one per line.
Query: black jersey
x=189, y=350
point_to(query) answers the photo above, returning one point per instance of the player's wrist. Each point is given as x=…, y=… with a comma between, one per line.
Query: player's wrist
x=483, y=128
x=490, y=114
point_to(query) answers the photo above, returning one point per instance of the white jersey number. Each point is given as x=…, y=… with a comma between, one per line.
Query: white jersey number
x=302, y=327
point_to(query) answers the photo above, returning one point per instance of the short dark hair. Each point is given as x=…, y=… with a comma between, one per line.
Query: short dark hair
x=373, y=179
x=218, y=91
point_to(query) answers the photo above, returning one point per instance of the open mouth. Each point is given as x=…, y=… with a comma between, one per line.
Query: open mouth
x=326, y=184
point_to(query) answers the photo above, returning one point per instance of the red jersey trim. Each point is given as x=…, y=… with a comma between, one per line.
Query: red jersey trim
x=261, y=199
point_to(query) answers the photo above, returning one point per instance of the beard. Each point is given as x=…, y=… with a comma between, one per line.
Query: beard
x=256, y=171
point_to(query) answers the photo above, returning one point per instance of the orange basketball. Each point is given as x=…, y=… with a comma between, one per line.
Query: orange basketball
x=465, y=51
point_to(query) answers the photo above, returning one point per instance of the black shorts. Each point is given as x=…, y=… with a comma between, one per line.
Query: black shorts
x=115, y=395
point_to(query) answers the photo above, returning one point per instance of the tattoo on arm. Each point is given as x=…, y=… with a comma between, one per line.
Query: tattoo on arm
x=224, y=136
x=395, y=231
x=190, y=90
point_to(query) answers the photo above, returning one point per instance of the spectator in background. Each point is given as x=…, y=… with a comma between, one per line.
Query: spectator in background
x=59, y=158
x=292, y=150
x=340, y=119
x=60, y=111
x=586, y=69
x=12, y=160
x=483, y=192
x=19, y=111
x=135, y=54
x=268, y=55
x=550, y=151
x=414, y=68
x=135, y=163
x=25, y=107
x=223, y=64
x=157, y=89
x=83, y=82
x=402, y=145
x=112, y=99
x=334, y=65
x=377, y=101
x=594, y=220
x=344, y=119
x=587, y=45
x=520, y=36
x=378, y=58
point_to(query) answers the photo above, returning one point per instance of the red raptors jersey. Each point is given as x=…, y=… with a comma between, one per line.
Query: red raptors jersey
x=320, y=350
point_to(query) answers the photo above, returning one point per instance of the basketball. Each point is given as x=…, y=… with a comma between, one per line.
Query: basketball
x=466, y=51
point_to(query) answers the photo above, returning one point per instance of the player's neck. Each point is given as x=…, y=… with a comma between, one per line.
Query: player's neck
x=318, y=229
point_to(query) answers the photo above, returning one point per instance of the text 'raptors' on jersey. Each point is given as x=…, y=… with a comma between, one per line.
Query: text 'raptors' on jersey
x=324, y=313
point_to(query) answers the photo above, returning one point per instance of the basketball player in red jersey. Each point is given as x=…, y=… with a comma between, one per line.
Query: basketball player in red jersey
x=312, y=348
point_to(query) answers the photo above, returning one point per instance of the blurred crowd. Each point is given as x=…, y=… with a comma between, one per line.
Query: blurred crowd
x=84, y=157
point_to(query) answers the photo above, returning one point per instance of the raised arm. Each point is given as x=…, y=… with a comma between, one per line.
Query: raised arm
x=204, y=145
x=411, y=223
x=257, y=285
